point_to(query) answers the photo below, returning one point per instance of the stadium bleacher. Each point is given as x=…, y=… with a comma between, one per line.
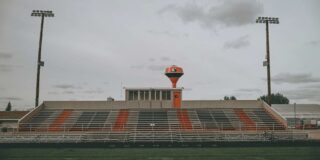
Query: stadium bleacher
x=195, y=121
x=225, y=119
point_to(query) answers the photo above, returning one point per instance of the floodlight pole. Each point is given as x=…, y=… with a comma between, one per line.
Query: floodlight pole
x=268, y=20
x=40, y=63
x=268, y=63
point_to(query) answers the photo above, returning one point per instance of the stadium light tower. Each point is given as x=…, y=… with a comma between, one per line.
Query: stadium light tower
x=267, y=21
x=42, y=14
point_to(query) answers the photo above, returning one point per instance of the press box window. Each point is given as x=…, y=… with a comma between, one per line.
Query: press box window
x=133, y=95
x=166, y=95
x=144, y=95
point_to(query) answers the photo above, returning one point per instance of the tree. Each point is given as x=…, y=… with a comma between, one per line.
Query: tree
x=229, y=98
x=233, y=98
x=277, y=98
x=9, y=107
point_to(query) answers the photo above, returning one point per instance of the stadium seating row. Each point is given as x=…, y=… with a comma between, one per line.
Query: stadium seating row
x=68, y=120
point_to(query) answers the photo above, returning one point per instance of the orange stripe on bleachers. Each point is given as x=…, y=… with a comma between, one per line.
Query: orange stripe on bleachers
x=184, y=119
x=56, y=124
x=121, y=120
x=248, y=122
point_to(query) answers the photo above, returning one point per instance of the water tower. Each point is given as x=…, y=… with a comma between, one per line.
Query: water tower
x=174, y=73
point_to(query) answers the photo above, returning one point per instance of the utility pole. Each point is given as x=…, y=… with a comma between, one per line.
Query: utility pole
x=267, y=21
x=42, y=14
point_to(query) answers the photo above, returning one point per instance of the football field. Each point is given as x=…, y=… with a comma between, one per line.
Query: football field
x=227, y=153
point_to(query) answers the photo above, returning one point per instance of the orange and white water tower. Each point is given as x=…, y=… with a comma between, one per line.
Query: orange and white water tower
x=174, y=73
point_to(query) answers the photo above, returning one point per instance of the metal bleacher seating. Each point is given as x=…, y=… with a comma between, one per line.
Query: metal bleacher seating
x=222, y=120
x=155, y=120
x=151, y=125
x=41, y=121
x=98, y=120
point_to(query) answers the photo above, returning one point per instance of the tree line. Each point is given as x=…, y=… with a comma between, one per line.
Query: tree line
x=277, y=98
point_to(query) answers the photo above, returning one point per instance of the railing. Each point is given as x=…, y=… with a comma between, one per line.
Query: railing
x=96, y=127
x=152, y=136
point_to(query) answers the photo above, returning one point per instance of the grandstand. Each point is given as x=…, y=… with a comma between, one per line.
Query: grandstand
x=50, y=118
x=152, y=115
x=128, y=121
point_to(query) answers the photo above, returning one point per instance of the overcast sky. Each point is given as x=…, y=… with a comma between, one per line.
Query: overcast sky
x=92, y=48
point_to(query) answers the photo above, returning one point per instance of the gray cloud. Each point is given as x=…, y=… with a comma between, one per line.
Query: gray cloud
x=10, y=99
x=168, y=33
x=139, y=66
x=248, y=90
x=238, y=43
x=68, y=92
x=311, y=94
x=150, y=65
x=165, y=58
x=229, y=13
x=105, y=83
x=154, y=67
x=5, y=68
x=8, y=67
x=294, y=78
x=151, y=59
x=314, y=43
x=312, y=86
x=245, y=92
x=53, y=93
x=94, y=91
x=5, y=56
x=65, y=86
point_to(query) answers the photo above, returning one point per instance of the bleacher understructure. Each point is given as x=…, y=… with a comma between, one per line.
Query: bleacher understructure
x=195, y=121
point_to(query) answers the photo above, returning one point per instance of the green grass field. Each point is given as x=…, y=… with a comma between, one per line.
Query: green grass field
x=243, y=153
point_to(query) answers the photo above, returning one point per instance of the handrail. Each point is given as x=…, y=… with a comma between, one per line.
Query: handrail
x=168, y=136
x=31, y=113
x=69, y=127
